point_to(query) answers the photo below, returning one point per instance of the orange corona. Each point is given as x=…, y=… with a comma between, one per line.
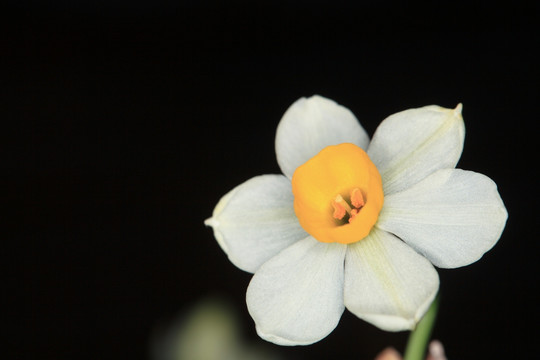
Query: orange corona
x=338, y=194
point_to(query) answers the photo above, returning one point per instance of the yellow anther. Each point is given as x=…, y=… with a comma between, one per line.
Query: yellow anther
x=357, y=199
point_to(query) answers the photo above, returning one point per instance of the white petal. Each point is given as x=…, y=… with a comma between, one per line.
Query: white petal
x=310, y=125
x=410, y=145
x=296, y=298
x=387, y=283
x=256, y=220
x=452, y=217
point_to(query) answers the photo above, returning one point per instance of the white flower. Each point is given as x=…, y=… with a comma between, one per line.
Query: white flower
x=310, y=262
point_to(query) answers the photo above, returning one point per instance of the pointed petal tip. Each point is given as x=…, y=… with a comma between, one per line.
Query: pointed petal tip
x=210, y=222
x=458, y=109
x=318, y=97
x=315, y=100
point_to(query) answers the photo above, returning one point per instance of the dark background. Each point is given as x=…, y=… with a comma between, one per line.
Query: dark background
x=127, y=121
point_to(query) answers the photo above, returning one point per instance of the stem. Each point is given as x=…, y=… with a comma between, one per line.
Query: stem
x=419, y=338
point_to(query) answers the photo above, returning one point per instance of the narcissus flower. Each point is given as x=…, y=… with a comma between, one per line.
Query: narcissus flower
x=354, y=223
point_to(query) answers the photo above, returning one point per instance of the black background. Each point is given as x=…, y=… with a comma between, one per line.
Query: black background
x=127, y=121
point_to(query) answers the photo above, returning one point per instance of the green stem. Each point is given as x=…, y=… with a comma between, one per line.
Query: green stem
x=419, y=338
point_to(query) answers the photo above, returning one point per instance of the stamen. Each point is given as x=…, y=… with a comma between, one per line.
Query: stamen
x=340, y=207
x=357, y=199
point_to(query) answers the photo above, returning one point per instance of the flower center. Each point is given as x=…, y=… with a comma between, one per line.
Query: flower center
x=338, y=194
x=342, y=208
